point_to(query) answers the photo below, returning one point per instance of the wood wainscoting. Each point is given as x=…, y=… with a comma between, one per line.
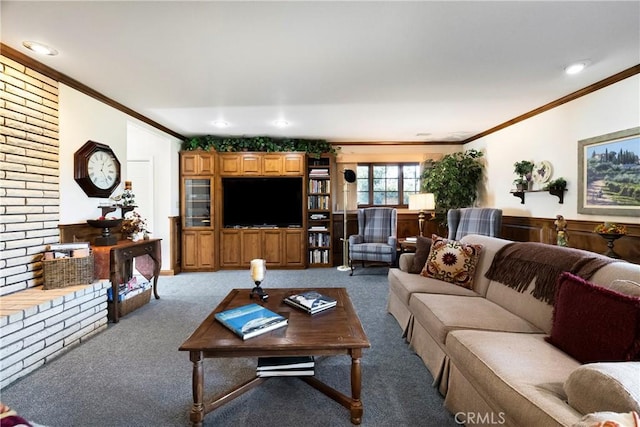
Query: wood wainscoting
x=519, y=229
x=580, y=234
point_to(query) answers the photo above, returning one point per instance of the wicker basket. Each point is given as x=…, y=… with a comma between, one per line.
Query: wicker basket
x=127, y=306
x=62, y=272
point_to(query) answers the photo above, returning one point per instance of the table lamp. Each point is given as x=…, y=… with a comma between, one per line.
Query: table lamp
x=422, y=202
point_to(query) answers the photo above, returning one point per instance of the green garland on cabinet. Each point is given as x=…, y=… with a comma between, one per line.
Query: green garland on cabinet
x=314, y=147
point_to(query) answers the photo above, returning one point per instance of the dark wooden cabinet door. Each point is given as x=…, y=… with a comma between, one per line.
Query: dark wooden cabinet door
x=294, y=252
x=230, y=247
x=251, y=246
x=272, y=247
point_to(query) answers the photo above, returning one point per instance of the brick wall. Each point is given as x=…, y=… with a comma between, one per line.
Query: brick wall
x=37, y=325
x=29, y=173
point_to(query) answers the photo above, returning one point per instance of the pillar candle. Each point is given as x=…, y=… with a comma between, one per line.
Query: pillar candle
x=257, y=270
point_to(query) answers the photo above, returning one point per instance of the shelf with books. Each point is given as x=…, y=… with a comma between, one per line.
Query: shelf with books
x=319, y=211
x=319, y=239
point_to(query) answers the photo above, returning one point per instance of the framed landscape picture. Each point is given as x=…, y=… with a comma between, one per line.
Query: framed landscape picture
x=609, y=174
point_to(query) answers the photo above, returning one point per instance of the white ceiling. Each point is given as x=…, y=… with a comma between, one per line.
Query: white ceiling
x=341, y=71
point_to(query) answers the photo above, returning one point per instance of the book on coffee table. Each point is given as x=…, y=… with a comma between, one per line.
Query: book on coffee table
x=283, y=363
x=285, y=366
x=295, y=372
x=250, y=320
x=311, y=302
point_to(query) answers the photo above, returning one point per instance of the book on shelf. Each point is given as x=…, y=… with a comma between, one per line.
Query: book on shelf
x=294, y=372
x=311, y=302
x=319, y=256
x=319, y=172
x=250, y=320
x=284, y=363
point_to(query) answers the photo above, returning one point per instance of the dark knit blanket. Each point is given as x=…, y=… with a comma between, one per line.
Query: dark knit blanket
x=516, y=264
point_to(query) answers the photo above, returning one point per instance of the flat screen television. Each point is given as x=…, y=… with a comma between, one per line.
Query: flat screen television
x=255, y=202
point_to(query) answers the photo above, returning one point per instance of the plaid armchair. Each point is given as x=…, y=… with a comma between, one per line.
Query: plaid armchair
x=376, y=240
x=485, y=221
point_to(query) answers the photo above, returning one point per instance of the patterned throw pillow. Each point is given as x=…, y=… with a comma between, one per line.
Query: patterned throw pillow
x=452, y=261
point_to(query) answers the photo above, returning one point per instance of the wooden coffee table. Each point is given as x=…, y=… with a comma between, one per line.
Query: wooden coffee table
x=331, y=332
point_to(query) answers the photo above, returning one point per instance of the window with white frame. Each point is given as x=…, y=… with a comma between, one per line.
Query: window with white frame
x=387, y=184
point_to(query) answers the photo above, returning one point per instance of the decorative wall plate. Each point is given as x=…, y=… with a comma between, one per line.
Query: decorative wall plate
x=542, y=172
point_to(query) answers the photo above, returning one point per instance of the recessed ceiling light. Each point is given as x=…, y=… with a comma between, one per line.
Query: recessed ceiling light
x=40, y=48
x=221, y=124
x=576, y=67
x=281, y=123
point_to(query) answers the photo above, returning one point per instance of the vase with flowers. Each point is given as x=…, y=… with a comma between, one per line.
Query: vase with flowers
x=134, y=226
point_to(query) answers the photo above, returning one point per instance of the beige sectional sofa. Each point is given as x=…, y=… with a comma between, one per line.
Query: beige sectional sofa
x=486, y=348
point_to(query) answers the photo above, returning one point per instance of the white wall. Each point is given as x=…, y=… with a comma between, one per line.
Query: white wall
x=146, y=145
x=83, y=118
x=554, y=136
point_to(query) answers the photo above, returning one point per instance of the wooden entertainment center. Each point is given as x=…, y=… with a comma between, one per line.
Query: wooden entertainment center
x=277, y=232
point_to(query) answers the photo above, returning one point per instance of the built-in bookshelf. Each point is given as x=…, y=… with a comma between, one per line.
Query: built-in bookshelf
x=319, y=212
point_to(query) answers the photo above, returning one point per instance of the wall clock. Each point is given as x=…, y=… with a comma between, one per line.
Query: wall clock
x=96, y=169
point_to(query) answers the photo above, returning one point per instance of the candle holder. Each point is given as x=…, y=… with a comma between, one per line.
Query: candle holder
x=106, y=239
x=611, y=238
x=258, y=270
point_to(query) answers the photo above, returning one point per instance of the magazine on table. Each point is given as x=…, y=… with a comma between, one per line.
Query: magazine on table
x=250, y=320
x=311, y=301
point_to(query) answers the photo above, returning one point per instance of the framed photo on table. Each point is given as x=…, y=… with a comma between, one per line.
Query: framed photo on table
x=609, y=174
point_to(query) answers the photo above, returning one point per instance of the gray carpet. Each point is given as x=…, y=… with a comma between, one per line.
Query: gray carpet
x=132, y=374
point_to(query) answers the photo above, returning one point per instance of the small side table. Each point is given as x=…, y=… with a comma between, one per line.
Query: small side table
x=116, y=264
x=407, y=245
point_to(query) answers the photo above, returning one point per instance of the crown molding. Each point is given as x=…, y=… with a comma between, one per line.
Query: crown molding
x=632, y=71
x=47, y=71
x=62, y=78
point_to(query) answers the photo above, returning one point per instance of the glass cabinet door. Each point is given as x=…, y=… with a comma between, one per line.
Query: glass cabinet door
x=197, y=203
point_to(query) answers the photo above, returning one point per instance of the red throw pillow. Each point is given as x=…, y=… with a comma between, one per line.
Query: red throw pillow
x=595, y=324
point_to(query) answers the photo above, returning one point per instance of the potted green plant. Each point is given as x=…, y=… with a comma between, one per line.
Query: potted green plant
x=524, y=169
x=559, y=184
x=521, y=184
x=453, y=180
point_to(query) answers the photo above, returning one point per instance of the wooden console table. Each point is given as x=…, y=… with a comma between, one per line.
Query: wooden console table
x=120, y=265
